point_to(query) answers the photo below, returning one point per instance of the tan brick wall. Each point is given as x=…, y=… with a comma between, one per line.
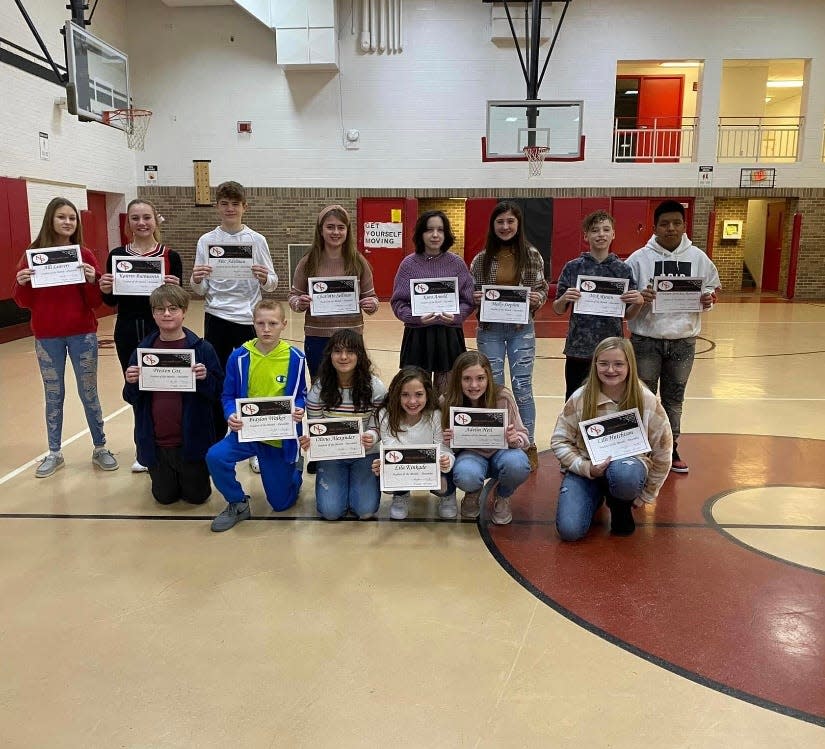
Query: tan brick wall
x=453, y=209
x=287, y=215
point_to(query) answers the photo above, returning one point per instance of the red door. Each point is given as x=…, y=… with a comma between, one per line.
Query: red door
x=660, y=107
x=15, y=234
x=376, y=217
x=633, y=224
x=773, y=246
x=95, y=228
x=476, y=225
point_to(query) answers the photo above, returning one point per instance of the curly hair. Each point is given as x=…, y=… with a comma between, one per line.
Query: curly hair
x=361, y=387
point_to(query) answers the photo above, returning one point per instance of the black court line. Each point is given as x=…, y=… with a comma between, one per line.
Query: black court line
x=184, y=518
x=633, y=649
x=721, y=528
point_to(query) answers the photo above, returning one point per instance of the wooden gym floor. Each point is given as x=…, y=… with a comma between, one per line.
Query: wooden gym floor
x=130, y=624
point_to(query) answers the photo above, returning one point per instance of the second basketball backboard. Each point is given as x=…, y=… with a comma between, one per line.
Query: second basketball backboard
x=514, y=124
x=98, y=75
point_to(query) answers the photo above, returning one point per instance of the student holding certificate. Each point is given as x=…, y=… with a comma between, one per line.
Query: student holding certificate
x=612, y=385
x=433, y=340
x=332, y=254
x=64, y=323
x=263, y=367
x=409, y=415
x=174, y=429
x=665, y=342
x=135, y=320
x=507, y=260
x=471, y=385
x=586, y=330
x=346, y=387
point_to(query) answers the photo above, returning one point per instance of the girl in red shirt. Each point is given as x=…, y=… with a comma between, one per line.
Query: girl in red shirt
x=63, y=322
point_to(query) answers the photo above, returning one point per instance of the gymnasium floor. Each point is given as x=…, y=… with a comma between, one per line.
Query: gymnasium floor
x=130, y=624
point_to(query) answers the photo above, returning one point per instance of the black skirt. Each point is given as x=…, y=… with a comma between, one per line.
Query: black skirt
x=434, y=348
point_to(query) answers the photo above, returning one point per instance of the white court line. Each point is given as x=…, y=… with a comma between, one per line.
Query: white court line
x=17, y=471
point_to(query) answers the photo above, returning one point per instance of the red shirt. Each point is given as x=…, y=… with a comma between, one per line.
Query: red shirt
x=61, y=311
x=167, y=408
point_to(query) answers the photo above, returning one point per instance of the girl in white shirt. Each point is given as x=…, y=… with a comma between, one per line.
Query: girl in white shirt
x=409, y=415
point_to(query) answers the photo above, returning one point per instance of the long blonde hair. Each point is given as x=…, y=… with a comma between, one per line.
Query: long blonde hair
x=633, y=388
x=353, y=262
x=455, y=393
x=140, y=201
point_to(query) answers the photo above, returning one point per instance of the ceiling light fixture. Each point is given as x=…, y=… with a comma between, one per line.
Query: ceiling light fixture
x=785, y=84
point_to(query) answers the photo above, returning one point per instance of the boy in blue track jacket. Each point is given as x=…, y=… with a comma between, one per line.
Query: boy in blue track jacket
x=263, y=367
x=173, y=429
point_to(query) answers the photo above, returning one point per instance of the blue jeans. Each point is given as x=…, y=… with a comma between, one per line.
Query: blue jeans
x=510, y=466
x=51, y=357
x=580, y=497
x=281, y=480
x=666, y=364
x=314, y=351
x=518, y=343
x=347, y=484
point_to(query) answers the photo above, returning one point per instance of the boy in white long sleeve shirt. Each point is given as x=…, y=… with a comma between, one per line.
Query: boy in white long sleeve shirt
x=227, y=321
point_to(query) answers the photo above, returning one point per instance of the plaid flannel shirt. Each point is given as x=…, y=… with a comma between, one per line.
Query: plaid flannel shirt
x=532, y=275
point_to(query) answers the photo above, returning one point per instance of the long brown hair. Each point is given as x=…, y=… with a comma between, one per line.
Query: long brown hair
x=140, y=201
x=353, y=262
x=633, y=394
x=46, y=237
x=455, y=394
x=392, y=400
x=518, y=244
x=361, y=390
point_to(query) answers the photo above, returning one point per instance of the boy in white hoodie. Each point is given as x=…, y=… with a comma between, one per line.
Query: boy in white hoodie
x=665, y=343
x=227, y=319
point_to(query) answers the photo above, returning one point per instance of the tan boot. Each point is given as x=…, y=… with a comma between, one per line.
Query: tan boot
x=500, y=512
x=470, y=507
x=533, y=457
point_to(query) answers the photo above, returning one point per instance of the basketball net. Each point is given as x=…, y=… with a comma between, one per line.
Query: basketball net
x=535, y=159
x=133, y=122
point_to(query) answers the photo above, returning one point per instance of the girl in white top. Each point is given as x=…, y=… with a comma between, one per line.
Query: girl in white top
x=409, y=415
x=472, y=385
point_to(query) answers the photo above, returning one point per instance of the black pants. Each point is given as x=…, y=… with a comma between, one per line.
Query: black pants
x=225, y=337
x=174, y=478
x=575, y=373
x=129, y=332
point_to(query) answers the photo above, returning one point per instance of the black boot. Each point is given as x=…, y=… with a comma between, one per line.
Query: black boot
x=621, y=517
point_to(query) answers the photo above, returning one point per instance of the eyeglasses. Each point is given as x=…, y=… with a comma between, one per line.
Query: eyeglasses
x=171, y=309
x=609, y=364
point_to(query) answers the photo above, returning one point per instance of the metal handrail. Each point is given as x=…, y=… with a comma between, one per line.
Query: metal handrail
x=666, y=140
x=759, y=138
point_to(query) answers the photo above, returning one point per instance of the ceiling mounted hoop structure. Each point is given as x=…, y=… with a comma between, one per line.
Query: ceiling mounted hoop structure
x=134, y=122
x=535, y=159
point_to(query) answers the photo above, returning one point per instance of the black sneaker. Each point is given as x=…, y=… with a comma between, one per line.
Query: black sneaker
x=621, y=517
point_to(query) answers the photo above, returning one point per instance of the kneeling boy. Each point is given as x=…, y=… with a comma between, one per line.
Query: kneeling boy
x=263, y=367
x=173, y=429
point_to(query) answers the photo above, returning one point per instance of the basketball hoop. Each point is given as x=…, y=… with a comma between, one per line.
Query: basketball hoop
x=133, y=122
x=535, y=158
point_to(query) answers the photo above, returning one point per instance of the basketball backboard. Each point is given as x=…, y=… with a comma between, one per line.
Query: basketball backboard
x=98, y=75
x=512, y=125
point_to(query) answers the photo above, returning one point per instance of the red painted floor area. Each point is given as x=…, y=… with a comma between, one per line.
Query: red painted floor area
x=680, y=591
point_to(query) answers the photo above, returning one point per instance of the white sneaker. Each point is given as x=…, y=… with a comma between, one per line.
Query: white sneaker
x=447, y=507
x=398, y=508
x=138, y=467
x=254, y=465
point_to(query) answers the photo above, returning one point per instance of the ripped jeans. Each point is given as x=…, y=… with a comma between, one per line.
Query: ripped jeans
x=518, y=343
x=51, y=356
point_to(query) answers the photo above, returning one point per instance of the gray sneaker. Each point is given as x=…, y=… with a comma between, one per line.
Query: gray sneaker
x=470, y=507
x=398, y=508
x=49, y=465
x=447, y=507
x=104, y=459
x=234, y=513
